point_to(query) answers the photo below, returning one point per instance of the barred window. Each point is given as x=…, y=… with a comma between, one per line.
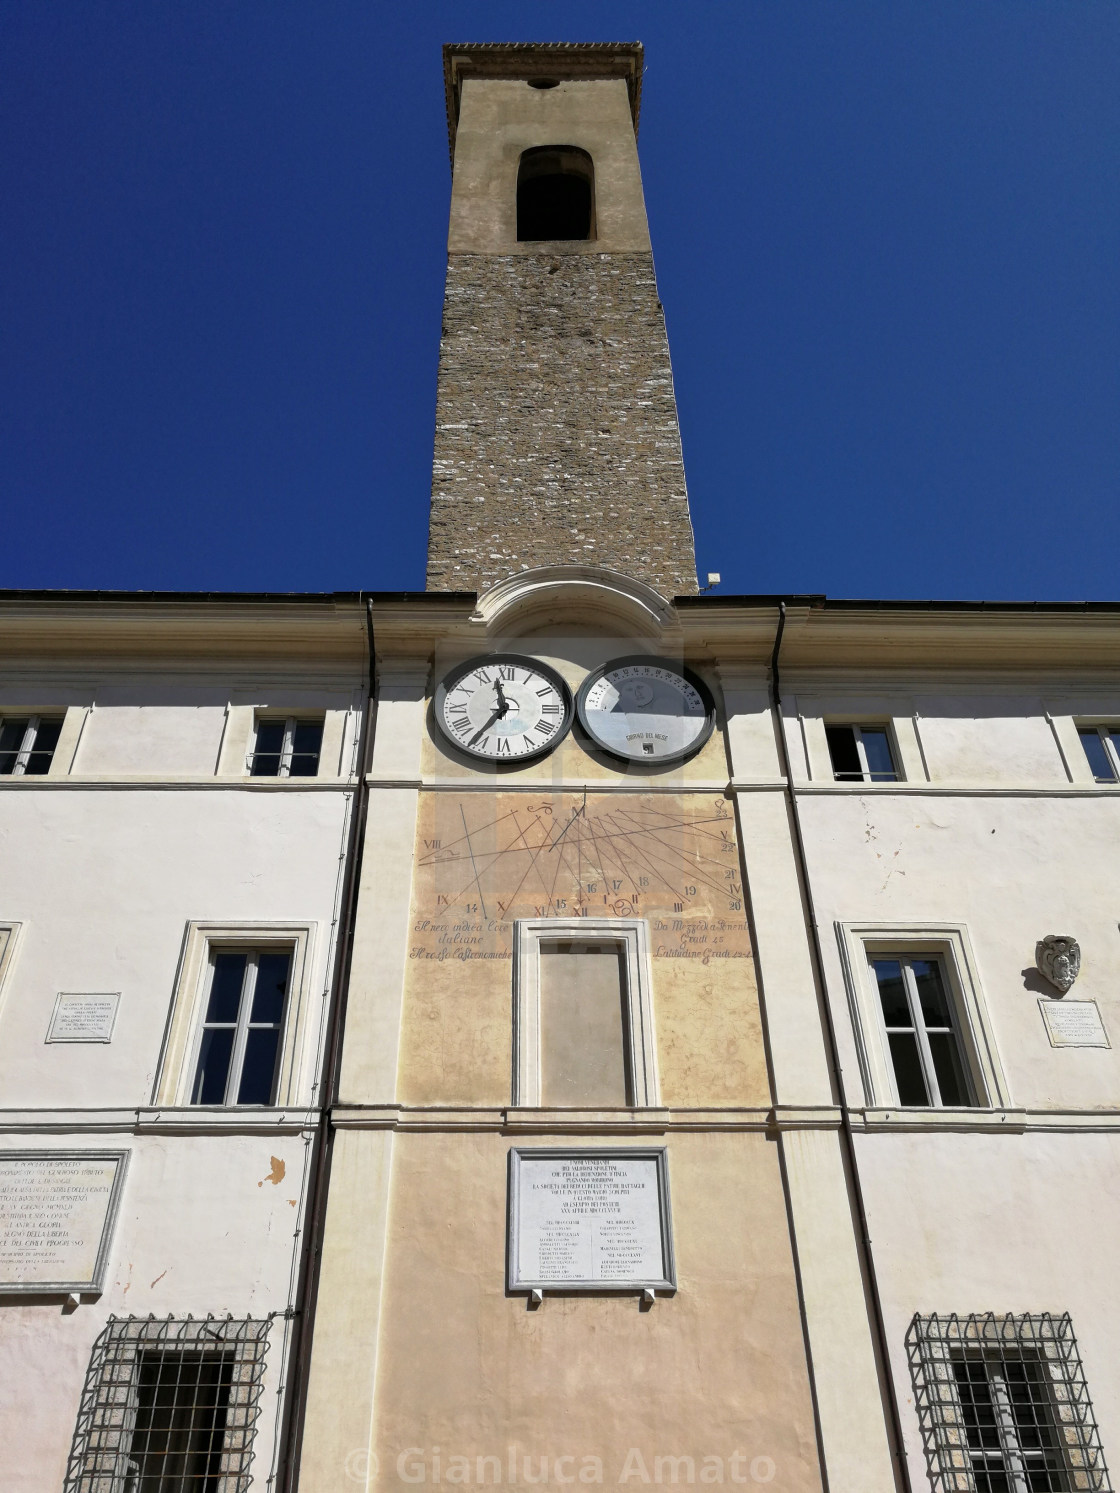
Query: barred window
x=1003, y=1405
x=169, y=1406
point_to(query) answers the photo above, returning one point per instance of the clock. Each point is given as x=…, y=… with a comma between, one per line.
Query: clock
x=645, y=709
x=503, y=708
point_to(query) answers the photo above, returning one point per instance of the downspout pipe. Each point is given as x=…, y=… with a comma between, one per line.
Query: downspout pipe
x=300, y=1359
x=847, y=1135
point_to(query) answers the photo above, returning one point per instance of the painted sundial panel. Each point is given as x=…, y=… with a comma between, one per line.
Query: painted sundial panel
x=484, y=861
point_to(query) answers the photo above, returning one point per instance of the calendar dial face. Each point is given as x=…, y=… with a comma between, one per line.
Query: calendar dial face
x=646, y=710
x=504, y=708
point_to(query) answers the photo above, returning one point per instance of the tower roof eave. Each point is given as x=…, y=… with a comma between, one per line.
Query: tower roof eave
x=560, y=60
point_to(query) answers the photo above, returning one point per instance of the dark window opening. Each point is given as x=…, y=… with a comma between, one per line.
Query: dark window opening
x=179, y=1436
x=27, y=745
x=170, y=1406
x=555, y=195
x=861, y=754
x=286, y=748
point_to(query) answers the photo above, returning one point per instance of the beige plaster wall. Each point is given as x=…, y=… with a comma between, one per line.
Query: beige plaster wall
x=715, y=1370
x=482, y=861
x=499, y=119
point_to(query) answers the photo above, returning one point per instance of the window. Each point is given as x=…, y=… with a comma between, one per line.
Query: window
x=921, y=1029
x=169, y=1407
x=1003, y=1405
x=1102, y=748
x=555, y=194
x=239, y=1016
x=921, y=1024
x=583, y=1018
x=27, y=744
x=286, y=748
x=239, y=1044
x=861, y=754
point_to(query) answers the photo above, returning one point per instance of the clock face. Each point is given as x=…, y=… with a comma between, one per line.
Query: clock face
x=646, y=709
x=504, y=708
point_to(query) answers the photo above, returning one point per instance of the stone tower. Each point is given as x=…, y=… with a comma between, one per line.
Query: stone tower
x=557, y=440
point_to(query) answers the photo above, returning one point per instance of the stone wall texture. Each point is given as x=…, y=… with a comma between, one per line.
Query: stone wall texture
x=557, y=440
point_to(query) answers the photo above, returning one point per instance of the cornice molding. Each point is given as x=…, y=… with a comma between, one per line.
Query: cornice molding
x=564, y=61
x=84, y=630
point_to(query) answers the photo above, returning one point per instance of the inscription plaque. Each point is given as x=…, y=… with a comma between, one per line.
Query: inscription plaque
x=590, y=1220
x=83, y=1018
x=1073, y=1023
x=57, y=1210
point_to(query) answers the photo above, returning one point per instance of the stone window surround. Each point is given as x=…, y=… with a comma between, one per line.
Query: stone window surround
x=9, y=943
x=632, y=937
x=192, y=986
x=858, y=942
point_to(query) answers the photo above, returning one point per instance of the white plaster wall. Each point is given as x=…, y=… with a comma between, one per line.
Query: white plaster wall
x=123, y=738
x=1010, y=870
x=1001, y=1223
x=979, y=739
x=104, y=883
x=190, y=1208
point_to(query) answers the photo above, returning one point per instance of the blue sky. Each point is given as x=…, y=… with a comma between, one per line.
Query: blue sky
x=886, y=238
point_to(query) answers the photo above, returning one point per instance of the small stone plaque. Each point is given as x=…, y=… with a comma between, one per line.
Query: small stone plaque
x=1073, y=1023
x=57, y=1210
x=590, y=1220
x=83, y=1018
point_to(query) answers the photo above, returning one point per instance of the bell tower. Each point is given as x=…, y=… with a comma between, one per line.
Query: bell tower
x=557, y=441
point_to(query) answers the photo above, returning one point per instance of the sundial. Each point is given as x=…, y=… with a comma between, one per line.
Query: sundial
x=483, y=862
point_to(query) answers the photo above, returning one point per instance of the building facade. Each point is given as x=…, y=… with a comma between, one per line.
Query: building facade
x=178, y=780
x=688, y=1057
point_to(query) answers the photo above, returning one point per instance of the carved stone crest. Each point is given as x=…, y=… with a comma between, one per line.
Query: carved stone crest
x=1058, y=957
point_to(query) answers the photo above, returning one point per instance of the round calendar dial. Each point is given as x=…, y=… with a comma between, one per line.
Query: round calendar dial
x=646, y=709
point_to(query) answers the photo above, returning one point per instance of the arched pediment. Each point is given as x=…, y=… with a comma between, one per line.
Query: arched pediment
x=566, y=596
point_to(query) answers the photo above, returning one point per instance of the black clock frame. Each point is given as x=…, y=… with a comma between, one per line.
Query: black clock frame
x=520, y=661
x=672, y=667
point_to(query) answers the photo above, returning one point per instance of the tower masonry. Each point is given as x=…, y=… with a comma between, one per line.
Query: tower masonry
x=557, y=441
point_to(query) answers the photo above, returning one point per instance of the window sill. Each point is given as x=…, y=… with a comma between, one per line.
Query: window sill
x=152, y=1119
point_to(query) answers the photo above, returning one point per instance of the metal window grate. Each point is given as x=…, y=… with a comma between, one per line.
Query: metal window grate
x=169, y=1406
x=1003, y=1406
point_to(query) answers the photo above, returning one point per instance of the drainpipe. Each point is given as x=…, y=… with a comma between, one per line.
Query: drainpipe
x=304, y=1325
x=847, y=1135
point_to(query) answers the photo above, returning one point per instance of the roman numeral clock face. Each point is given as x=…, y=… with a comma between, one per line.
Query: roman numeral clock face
x=503, y=708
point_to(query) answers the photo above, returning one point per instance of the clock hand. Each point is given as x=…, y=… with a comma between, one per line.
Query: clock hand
x=503, y=703
x=482, y=730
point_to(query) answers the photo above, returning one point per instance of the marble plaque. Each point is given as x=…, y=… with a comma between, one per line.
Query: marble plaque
x=589, y=1220
x=57, y=1210
x=1073, y=1023
x=83, y=1018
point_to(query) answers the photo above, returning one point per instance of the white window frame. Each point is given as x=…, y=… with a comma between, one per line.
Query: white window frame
x=857, y=730
x=1104, y=730
x=9, y=943
x=30, y=735
x=859, y=944
x=631, y=935
x=286, y=749
x=175, y=1079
